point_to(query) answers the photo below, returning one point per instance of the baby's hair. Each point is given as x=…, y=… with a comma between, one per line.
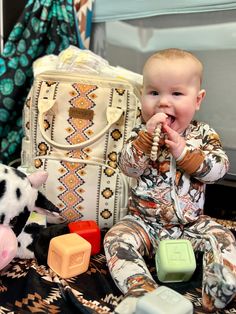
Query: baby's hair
x=176, y=53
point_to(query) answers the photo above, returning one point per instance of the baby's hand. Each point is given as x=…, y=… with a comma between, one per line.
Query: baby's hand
x=174, y=141
x=152, y=123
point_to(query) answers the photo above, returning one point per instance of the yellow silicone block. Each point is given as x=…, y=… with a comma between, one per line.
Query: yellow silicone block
x=69, y=255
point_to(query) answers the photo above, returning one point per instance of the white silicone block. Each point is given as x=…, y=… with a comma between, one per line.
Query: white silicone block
x=163, y=300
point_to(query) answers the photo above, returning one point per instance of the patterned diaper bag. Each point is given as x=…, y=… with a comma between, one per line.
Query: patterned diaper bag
x=75, y=126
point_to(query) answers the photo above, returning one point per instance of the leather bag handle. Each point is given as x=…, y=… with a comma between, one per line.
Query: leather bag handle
x=113, y=114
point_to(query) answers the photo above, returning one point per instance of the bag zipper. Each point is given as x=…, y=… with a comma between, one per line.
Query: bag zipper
x=72, y=76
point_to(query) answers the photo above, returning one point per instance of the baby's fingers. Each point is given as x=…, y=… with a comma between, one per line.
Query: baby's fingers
x=155, y=120
x=171, y=134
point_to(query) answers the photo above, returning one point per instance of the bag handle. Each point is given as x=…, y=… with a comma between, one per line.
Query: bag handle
x=113, y=114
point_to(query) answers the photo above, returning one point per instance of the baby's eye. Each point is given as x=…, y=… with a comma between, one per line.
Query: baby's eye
x=154, y=93
x=177, y=93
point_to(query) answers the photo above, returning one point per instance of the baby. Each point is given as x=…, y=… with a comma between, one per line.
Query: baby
x=167, y=198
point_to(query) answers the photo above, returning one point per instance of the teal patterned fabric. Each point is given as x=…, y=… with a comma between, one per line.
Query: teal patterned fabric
x=45, y=27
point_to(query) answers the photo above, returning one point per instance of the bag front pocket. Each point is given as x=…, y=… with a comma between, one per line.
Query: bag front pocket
x=86, y=190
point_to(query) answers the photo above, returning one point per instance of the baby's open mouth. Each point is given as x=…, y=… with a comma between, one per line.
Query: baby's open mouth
x=170, y=119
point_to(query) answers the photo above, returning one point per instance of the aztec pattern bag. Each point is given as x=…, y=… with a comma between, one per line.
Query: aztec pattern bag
x=75, y=127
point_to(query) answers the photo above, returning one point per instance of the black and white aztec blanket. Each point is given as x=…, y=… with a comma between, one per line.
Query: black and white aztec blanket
x=26, y=287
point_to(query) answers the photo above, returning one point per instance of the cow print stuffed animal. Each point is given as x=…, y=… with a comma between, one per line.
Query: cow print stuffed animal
x=19, y=197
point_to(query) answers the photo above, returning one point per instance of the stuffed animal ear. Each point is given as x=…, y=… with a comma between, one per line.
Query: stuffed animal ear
x=46, y=207
x=8, y=245
x=43, y=202
x=38, y=178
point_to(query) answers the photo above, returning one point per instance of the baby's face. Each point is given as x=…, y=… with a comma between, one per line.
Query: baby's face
x=172, y=87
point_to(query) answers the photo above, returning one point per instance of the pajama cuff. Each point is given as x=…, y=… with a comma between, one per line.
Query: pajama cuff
x=143, y=142
x=190, y=161
x=182, y=154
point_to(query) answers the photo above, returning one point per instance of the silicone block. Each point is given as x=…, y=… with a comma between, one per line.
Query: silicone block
x=163, y=300
x=69, y=255
x=89, y=230
x=175, y=260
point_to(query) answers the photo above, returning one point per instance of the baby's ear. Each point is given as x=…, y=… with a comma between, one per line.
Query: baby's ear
x=38, y=178
x=201, y=95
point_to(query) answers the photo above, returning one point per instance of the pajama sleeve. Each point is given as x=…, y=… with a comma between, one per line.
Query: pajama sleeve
x=134, y=156
x=208, y=162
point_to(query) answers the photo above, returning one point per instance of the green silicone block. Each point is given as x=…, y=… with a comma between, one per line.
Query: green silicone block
x=175, y=260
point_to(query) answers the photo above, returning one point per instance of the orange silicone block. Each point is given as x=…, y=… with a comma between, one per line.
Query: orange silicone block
x=69, y=255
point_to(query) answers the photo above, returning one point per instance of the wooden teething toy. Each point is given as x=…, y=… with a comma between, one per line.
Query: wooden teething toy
x=156, y=138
